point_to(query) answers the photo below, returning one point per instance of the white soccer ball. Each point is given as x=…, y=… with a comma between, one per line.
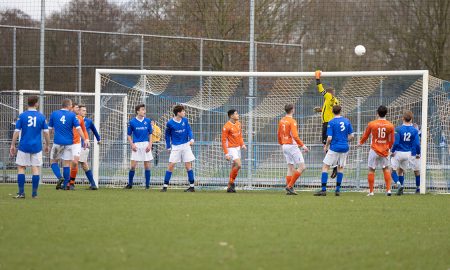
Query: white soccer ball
x=360, y=50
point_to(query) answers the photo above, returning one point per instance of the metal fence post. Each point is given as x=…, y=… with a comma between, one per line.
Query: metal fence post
x=79, y=65
x=14, y=78
x=358, y=136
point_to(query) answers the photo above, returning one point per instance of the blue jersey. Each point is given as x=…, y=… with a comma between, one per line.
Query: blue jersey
x=91, y=127
x=63, y=121
x=140, y=129
x=339, y=128
x=31, y=123
x=406, y=139
x=178, y=132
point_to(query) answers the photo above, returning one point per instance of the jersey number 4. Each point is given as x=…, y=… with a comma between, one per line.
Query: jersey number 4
x=32, y=121
x=63, y=119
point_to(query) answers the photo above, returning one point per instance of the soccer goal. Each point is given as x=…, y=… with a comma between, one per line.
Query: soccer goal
x=259, y=98
x=114, y=121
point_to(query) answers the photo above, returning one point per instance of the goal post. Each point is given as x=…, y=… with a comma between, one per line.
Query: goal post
x=210, y=94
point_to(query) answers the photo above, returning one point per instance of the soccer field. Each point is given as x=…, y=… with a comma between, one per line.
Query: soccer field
x=138, y=229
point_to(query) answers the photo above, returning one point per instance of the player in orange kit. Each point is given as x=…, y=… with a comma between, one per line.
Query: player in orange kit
x=232, y=143
x=76, y=147
x=383, y=135
x=289, y=141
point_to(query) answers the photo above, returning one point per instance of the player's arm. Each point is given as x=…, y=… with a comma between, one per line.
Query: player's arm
x=96, y=134
x=416, y=145
x=351, y=134
x=130, y=138
x=46, y=137
x=12, y=150
x=190, y=133
x=224, y=140
x=241, y=141
x=279, y=134
x=297, y=138
x=167, y=136
x=85, y=136
x=391, y=138
x=150, y=142
x=396, y=142
x=320, y=89
x=365, y=136
x=329, y=138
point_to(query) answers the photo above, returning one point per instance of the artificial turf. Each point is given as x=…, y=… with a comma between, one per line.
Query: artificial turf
x=139, y=229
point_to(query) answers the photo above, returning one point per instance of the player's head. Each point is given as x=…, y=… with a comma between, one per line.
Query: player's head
x=289, y=108
x=233, y=114
x=140, y=110
x=33, y=101
x=75, y=107
x=82, y=110
x=330, y=90
x=67, y=104
x=337, y=109
x=179, y=111
x=408, y=116
x=382, y=111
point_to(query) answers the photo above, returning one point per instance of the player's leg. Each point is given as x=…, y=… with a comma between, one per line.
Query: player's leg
x=190, y=173
x=20, y=182
x=372, y=165
x=73, y=171
x=131, y=172
x=67, y=157
x=89, y=175
x=55, y=155
x=235, y=167
x=417, y=175
x=339, y=178
x=324, y=141
x=330, y=159
x=35, y=180
x=169, y=171
x=387, y=180
x=415, y=164
x=401, y=179
x=394, y=167
x=148, y=173
x=297, y=158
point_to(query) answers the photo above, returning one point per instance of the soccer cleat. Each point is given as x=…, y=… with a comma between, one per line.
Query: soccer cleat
x=370, y=194
x=128, y=187
x=337, y=193
x=59, y=184
x=92, y=188
x=400, y=191
x=34, y=196
x=190, y=189
x=290, y=191
x=71, y=187
x=164, y=189
x=417, y=190
x=231, y=190
x=334, y=173
x=147, y=187
x=388, y=193
x=19, y=196
x=320, y=193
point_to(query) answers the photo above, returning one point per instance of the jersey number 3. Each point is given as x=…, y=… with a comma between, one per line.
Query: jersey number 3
x=342, y=126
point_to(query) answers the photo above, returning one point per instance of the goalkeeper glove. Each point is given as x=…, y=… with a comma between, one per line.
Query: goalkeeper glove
x=318, y=73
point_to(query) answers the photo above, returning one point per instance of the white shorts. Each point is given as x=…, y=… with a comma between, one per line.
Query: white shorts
x=292, y=154
x=414, y=163
x=63, y=152
x=84, y=155
x=76, y=150
x=234, y=152
x=376, y=161
x=181, y=153
x=335, y=158
x=401, y=160
x=141, y=154
x=27, y=159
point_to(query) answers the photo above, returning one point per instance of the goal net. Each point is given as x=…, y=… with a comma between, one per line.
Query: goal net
x=207, y=97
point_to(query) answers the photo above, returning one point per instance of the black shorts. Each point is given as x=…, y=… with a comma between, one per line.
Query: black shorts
x=324, y=132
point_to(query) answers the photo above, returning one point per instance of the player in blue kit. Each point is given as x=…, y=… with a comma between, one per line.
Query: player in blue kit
x=405, y=148
x=140, y=139
x=62, y=122
x=30, y=126
x=339, y=132
x=179, y=139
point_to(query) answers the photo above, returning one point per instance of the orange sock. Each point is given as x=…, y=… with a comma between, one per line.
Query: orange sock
x=288, y=180
x=295, y=176
x=387, y=180
x=371, y=179
x=233, y=174
x=73, y=172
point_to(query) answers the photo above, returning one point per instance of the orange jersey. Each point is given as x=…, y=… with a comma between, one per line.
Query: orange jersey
x=287, y=131
x=231, y=136
x=76, y=136
x=383, y=134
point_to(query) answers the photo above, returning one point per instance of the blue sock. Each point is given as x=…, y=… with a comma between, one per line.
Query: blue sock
x=130, y=177
x=394, y=176
x=90, y=177
x=167, y=177
x=148, y=174
x=35, y=184
x=56, y=170
x=66, y=174
x=324, y=181
x=190, y=174
x=21, y=183
x=417, y=181
x=339, y=178
x=401, y=179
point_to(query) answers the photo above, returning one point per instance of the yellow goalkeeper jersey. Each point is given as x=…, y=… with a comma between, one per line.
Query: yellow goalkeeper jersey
x=328, y=103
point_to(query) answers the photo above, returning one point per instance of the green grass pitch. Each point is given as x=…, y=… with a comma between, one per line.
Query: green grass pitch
x=138, y=229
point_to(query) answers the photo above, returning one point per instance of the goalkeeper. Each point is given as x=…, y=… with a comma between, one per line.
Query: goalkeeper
x=327, y=110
